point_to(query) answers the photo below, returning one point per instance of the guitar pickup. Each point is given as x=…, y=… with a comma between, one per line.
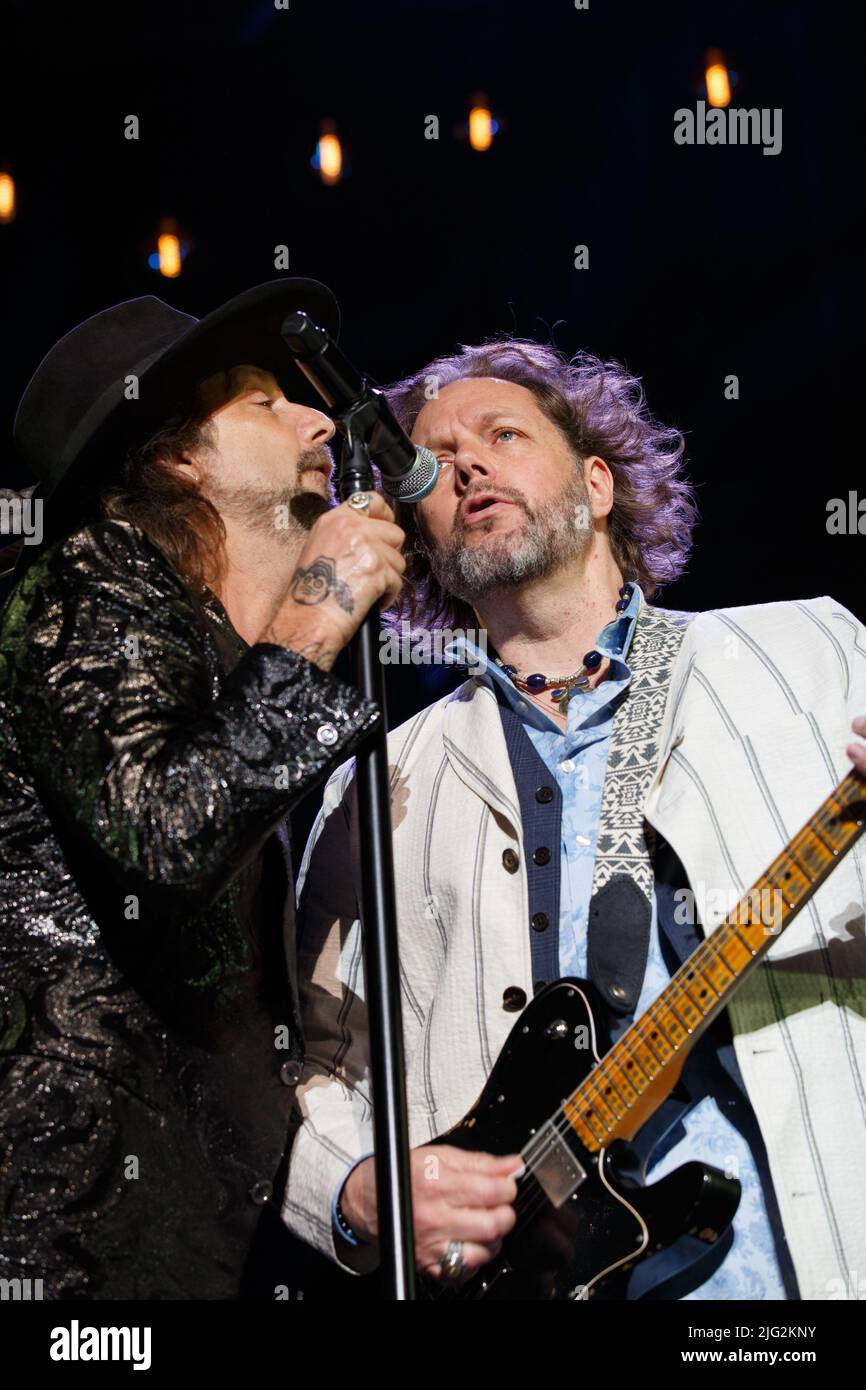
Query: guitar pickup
x=556, y=1170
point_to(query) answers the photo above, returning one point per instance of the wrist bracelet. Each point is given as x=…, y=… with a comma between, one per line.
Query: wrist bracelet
x=345, y=1227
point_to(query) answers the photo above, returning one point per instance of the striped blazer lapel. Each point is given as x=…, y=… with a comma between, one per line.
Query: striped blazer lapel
x=476, y=749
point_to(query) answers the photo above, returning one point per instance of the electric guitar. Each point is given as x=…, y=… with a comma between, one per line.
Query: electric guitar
x=566, y=1100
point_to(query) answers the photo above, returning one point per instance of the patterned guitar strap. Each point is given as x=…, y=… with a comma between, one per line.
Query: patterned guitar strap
x=620, y=909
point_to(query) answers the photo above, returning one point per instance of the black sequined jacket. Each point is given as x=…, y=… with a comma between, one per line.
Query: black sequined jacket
x=148, y=1038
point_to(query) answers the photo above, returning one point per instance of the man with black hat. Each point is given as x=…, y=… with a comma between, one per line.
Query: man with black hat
x=165, y=700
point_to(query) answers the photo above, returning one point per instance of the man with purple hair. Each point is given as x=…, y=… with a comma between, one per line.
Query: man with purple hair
x=586, y=805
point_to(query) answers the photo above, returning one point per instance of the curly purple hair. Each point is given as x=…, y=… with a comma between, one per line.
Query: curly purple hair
x=600, y=409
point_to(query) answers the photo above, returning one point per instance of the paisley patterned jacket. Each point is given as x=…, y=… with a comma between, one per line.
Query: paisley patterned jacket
x=148, y=1036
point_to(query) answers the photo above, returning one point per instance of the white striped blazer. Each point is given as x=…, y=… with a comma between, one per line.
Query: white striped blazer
x=757, y=720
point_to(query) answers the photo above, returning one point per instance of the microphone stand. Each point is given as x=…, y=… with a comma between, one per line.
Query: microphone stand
x=360, y=423
x=381, y=956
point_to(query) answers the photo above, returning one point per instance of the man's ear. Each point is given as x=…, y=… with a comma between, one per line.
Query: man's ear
x=186, y=467
x=599, y=483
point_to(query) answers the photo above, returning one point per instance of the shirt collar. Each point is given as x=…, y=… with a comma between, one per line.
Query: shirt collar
x=216, y=610
x=613, y=641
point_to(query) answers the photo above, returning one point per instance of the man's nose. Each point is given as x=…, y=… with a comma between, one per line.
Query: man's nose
x=469, y=464
x=314, y=429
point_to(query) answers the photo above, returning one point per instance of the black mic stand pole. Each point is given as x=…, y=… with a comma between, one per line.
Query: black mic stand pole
x=381, y=957
x=359, y=423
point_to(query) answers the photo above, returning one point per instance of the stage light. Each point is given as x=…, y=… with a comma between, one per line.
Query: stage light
x=168, y=250
x=7, y=198
x=717, y=79
x=153, y=258
x=481, y=128
x=328, y=159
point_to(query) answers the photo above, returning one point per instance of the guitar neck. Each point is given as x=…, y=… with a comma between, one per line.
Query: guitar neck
x=632, y=1080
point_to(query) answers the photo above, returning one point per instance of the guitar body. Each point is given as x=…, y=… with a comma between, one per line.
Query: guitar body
x=582, y=1245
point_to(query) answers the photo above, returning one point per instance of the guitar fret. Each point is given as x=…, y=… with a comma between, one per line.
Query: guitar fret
x=779, y=887
x=594, y=1083
x=751, y=950
x=648, y=1044
x=628, y=1065
x=588, y=1116
x=813, y=859
x=628, y=1092
x=612, y=1086
x=700, y=973
x=687, y=1027
x=659, y=1029
x=831, y=849
x=719, y=962
x=731, y=945
x=789, y=850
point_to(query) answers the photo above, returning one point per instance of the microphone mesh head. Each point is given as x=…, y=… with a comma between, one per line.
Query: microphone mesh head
x=418, y=482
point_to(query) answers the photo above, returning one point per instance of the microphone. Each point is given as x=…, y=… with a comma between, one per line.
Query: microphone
x=408, y=473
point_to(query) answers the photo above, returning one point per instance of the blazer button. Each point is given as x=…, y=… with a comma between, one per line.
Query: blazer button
x=540, y=921
x=327, y=734
x=514, y=999
x=544, y=794
x=541, y=855
x=261, y=1192
x=290, y=1073
x=510, y=860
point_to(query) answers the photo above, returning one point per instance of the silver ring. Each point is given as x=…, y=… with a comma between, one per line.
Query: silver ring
x=452, y=1264
x=360, y=501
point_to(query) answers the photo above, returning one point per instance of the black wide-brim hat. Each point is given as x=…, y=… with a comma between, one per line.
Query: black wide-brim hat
x=110, y=383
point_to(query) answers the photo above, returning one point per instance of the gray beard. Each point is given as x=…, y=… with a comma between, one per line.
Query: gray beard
x=287, y=512
x=549, y=537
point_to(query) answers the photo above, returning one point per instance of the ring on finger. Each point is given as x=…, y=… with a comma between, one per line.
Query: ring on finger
x=452, y=1264
x=360, y=501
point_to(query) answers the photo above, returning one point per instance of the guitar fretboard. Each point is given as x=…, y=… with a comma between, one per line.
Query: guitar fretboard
x=599, y=1110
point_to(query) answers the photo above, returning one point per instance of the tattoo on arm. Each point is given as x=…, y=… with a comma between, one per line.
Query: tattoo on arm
x=319, y=581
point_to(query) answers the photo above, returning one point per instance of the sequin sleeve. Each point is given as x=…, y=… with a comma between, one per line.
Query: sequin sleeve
x=102, y=657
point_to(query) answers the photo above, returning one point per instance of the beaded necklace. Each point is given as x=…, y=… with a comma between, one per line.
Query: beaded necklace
x=560, y=686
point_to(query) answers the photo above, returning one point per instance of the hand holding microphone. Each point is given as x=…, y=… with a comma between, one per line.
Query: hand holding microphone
x=351, y=560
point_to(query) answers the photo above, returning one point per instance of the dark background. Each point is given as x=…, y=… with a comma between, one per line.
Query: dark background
x=703, y=261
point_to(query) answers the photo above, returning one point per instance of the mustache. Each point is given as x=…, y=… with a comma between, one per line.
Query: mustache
x=306, y=507
x=315, y=458
x=508, y=494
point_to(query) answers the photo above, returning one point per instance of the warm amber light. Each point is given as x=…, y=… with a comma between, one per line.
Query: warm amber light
x=168, y=247
x=330, y=159
x=7, y=198
x=480, y=128
x=718, y=85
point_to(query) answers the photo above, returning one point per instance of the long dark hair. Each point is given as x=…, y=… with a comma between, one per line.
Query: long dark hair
x=166, y=504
